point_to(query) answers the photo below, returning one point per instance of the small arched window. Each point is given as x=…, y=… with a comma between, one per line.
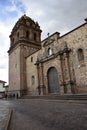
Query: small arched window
x=31, y=59
x=80, y=55
x=35, y=36
x=27, y=34
x=13, y=39
x=31, y=24
x=49, y=51
x=33, y=80
x=18, y=34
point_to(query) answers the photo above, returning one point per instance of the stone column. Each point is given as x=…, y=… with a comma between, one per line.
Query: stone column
x=43, y=86
x=71, y=82
x=68, y=73
x=41, y=79
x=39, y=89
x=63, y=85
x=72, y=76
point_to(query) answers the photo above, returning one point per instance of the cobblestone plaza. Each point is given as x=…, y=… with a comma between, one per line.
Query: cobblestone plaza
x=33, y=114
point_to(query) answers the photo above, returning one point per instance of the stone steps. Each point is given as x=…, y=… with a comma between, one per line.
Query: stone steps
x=58, y=97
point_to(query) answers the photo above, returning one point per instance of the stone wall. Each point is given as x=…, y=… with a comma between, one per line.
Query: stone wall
x=77, y=72
x=31, y=70
x=14, y=70
x=77, y=39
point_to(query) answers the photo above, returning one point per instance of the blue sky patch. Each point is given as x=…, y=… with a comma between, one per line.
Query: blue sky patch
x=4, y=2
x=10, y=9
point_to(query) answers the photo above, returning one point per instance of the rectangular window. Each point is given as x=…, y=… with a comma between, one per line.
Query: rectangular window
x=33, y=80
x=31, y=59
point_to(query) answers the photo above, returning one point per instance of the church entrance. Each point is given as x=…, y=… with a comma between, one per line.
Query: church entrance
x=53, y=84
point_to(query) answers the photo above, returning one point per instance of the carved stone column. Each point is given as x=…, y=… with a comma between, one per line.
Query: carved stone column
x=43, y=86
x=71, y=83
x=40, y=78
x=62, y=71
x=68, y=73
x=66, y=69
x=39, y=89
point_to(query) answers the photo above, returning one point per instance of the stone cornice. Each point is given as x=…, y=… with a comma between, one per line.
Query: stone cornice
x=66, y=50
x=46, y=59
x=23, y=42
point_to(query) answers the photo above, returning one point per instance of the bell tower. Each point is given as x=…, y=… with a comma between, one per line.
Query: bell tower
x=25, y=39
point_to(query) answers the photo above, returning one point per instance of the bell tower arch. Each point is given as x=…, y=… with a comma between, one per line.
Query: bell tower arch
x=25, y=39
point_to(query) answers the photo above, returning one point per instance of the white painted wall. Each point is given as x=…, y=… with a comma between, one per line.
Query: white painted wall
x=2, y=89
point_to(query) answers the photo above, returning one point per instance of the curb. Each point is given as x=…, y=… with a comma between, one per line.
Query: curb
x=60, y=101
x=8, y=120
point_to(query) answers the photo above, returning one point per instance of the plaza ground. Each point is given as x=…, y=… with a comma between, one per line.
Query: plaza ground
x=39, y=114
x=4, y=113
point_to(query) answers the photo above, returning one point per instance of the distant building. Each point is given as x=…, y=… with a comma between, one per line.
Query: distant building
x=2, y=88
x=58, y=64
x=6, y=89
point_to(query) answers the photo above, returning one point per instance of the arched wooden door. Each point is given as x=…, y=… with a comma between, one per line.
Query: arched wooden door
x=53, y=83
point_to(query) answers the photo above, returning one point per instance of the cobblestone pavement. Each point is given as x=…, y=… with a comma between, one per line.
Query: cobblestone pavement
x=4, y=110
x=32, y=114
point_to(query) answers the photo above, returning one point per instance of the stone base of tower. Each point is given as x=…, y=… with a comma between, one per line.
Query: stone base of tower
x=16, y=93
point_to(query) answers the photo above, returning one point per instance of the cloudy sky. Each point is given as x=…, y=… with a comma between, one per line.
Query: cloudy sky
x=52, y=15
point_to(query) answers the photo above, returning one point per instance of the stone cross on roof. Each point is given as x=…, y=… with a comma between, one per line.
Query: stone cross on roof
x=48, y=34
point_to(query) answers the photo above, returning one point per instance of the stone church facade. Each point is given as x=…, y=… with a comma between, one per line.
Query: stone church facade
x=58, y=64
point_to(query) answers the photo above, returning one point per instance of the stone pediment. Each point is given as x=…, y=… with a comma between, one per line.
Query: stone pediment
x=48, y=42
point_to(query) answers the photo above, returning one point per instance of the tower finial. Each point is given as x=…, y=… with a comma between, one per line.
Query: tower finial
x=24, y=12
x=85, y=19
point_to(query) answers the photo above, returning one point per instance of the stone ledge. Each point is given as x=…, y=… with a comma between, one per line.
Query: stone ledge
x=8, y=119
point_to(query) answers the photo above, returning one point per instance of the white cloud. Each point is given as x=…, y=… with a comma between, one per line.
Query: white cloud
x=66, y=14
x=10, y=8
x=5, y=30
x=4, y=44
